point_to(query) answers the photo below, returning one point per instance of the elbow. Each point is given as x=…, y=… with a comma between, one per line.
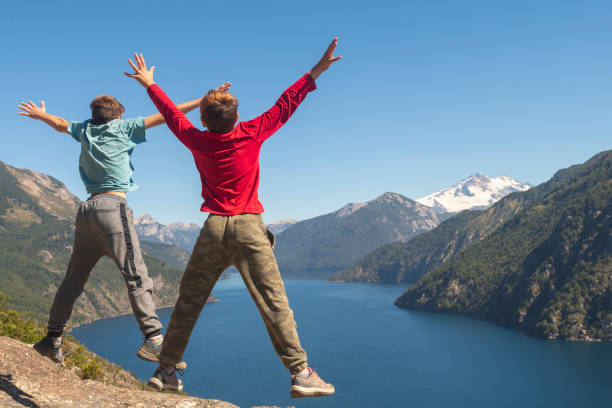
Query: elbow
x=61, y=129
x=62, y=126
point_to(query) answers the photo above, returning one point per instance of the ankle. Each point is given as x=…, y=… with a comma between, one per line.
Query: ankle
x=305, y=372
x=156, y=340
x=54, y=335
x=167, y=371
x=156, y=333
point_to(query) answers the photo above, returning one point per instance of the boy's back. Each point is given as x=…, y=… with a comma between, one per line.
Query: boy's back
x=106, y=149
x=229, y=162
x=104, y=223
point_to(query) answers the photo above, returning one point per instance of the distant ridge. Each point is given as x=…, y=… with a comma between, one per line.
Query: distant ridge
x=181, y=234
x=321, y=246
x=279, y=226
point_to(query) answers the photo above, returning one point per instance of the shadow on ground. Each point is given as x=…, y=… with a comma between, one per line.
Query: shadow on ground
x=23, y=398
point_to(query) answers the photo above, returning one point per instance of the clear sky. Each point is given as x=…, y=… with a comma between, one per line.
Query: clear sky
x=427, y=93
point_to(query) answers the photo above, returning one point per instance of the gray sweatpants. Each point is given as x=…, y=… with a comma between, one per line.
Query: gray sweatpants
x=105, y=226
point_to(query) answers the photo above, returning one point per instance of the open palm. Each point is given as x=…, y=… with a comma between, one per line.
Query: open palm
x=143, y=75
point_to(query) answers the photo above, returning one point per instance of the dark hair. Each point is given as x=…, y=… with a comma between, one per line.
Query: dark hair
x=219, y=111
x=104, y=109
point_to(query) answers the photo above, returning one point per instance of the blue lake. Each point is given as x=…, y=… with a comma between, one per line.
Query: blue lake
x=375, y=354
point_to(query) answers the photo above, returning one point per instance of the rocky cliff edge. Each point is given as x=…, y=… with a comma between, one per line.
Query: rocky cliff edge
x=29, y=380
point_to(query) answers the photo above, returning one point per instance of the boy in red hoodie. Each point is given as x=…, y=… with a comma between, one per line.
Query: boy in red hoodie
x=227, y=157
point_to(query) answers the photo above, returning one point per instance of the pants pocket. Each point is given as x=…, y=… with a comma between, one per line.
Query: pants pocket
x=271, y=237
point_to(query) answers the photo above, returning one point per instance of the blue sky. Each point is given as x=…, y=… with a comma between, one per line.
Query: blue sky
x=427, y=92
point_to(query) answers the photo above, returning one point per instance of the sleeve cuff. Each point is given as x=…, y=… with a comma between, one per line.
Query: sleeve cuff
x=309, y=82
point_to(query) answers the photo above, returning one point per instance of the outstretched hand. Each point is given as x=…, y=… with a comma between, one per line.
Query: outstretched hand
x=31, y=110
x=141, y=73
x=224, y=88
x=325, y=61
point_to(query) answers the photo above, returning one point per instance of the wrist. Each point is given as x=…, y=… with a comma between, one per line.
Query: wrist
x=315, y=72
x=148, y=84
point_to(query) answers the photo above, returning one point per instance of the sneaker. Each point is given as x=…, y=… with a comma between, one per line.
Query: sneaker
x=166, y=380
x=51, y=347
x=309, y=386
x=151, y=348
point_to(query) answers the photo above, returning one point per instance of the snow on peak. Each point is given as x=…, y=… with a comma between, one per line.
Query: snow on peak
x=475, y=192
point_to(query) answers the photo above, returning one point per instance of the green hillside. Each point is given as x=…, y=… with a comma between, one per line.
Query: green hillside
x=36, y=231
x=174, y=256
x=547, y=270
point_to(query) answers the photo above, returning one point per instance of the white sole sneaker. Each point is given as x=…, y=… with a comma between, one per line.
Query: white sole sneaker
x=301, y=392
x=159, y=385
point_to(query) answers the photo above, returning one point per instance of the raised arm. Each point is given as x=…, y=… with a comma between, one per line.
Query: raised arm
x=326, y=60
x=265, y=125
x=31, y=110
x=176, y=120
x=158, y=119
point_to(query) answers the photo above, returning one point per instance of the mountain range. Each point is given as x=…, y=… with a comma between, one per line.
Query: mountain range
x=180, y=234
x=329, y=243
x=183, y=234
x=407, y=262
x=36, y=229
x=321, y=246
x=546, y=269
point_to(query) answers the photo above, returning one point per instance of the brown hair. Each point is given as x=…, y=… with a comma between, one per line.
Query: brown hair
x=104, y=109
x=219, y=111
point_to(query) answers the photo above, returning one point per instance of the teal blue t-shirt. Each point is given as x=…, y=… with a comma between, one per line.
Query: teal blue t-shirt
x=106, y=151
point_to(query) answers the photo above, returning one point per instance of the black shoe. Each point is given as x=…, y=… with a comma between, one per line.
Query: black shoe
x=166, y=380
x=51, y=347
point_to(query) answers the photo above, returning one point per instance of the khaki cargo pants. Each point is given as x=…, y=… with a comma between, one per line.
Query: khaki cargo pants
x=242, y=241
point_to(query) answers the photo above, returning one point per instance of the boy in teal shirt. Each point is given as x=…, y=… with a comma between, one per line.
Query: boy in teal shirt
x=104, y=223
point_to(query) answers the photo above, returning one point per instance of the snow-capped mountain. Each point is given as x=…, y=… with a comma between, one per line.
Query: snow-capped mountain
x=474, y=193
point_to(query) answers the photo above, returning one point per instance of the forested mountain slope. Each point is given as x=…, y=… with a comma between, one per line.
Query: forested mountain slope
x=36, y=231
x=547, y=270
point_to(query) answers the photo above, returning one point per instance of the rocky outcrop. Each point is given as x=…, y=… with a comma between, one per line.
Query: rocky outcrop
x=49, y=193
x=29, y=380
x=180, y=234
